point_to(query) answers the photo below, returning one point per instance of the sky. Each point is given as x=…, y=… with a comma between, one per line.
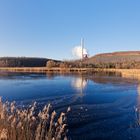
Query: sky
x=52, y=28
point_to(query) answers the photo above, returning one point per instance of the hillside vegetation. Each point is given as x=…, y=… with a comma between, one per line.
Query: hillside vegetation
x=23, y=62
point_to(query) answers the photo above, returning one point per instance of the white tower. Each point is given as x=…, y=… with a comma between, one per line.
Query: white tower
x=82, y=46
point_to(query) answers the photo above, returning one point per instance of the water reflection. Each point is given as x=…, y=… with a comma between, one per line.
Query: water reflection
x=137, y=108
x=98, y=102
x=50, y=76
x=79, y=83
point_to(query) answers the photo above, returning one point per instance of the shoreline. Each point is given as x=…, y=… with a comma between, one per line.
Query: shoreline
x=126, y=73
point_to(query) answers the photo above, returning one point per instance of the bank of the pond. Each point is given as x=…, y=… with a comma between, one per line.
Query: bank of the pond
x=45, y=69
x=127, y=73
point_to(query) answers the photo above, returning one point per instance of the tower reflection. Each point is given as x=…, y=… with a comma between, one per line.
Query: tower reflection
x=137, y=108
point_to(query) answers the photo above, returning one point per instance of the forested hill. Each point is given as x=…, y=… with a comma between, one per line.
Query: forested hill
x=22, y=62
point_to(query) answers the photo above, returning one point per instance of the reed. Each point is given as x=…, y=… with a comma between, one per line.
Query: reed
x=126, y=73
x=20, y=123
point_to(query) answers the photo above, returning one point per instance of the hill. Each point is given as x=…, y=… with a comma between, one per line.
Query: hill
x=23, y=62
x=115, y=57
x=127, y=59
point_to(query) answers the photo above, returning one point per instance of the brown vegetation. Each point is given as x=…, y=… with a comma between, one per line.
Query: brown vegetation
x=50, y=64
x=26, y=124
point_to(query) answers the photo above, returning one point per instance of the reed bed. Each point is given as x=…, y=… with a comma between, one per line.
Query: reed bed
x=129, y=73
x=26, y=123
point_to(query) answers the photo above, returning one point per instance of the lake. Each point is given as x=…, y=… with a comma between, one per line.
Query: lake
x=103, y=106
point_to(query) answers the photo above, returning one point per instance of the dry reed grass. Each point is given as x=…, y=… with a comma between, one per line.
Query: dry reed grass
x=29, y=124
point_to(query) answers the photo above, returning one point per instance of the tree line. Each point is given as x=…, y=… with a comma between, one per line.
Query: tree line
x=43, y=62
x=22, y=62
x=82, y=64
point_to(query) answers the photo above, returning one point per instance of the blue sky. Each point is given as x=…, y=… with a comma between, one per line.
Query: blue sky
x=51, y=28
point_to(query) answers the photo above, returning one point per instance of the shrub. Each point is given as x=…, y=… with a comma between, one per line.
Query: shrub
x=50, y=64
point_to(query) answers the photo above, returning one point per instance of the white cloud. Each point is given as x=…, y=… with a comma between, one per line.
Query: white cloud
x=77, y=51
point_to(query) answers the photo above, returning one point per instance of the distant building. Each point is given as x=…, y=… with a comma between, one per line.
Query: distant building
x=85, y=56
